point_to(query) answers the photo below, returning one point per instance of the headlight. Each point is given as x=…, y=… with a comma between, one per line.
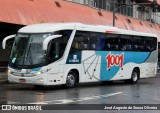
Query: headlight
x=9, y=71
x=44, y=70
x=39, y=73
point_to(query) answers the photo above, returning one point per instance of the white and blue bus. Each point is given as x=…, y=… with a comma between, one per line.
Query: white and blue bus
x=71, y=53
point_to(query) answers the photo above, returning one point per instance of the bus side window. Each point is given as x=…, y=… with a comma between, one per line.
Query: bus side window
x=150, y=43
x=126, y=43
x=139, y=43
x=75, y=46
x=94, y=41
x=112, y=42
x=80, y=42
x=101, y=42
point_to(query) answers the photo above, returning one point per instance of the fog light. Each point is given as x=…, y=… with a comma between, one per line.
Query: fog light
x=41, y=80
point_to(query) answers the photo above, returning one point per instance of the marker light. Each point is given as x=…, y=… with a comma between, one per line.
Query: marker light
x=41, y=80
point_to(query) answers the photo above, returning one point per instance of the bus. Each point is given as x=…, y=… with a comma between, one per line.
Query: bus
x=71, y=53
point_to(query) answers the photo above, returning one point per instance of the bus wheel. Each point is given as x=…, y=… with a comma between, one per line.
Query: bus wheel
x=134, y=78
x=71, y=80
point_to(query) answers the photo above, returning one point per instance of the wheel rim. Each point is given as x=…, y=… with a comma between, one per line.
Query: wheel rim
x=135, y=76
x=70, y=80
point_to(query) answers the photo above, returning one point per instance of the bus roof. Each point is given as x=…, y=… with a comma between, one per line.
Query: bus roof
x=51, y=27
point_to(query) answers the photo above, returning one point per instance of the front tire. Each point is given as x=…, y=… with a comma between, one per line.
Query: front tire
x=71, y=80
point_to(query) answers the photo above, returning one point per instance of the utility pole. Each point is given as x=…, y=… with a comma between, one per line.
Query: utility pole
x=114, y=11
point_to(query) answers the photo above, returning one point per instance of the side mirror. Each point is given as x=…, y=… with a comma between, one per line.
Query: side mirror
x=5, y=40
x=48, y=39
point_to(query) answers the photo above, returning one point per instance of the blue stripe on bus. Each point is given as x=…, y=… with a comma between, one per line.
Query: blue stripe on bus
x=108, y=74
x=28, y=71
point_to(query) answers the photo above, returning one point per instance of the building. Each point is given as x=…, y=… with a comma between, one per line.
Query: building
x=143, y=12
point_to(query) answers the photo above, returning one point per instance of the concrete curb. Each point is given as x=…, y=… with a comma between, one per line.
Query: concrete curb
x=3, y=81
x=3, y=78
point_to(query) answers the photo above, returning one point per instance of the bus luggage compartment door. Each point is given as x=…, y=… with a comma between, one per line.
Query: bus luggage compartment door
x=151, y=69
x=53, y=71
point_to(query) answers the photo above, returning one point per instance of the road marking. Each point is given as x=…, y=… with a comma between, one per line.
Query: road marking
x=66, y=101
x=38, y=103
x=12, y=102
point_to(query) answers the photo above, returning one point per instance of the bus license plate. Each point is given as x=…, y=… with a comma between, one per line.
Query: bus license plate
x=22, y=80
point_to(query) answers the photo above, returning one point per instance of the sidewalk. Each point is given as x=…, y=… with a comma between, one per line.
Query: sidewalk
x=3, y=77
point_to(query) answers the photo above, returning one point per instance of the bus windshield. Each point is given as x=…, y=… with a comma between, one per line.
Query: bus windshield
x=27, y=49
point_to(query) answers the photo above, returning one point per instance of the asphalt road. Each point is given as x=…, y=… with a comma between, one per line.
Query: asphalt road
x=146, y=91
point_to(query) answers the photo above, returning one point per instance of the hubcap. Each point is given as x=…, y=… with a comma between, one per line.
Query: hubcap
x=70, y=80
x=135, y=76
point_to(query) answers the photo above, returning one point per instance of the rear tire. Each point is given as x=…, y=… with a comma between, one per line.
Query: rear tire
x=134, y=77
x=71, y=80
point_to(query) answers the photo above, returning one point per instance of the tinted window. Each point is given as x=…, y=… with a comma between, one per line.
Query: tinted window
x=101, y=42
x=93, y=38
x=80, y=41
x=87, y=41
x=112, y=42
x=151, y=43
x=139, y=43
x=126, y=43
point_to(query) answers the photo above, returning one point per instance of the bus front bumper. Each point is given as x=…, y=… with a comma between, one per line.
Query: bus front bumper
x=35, y=80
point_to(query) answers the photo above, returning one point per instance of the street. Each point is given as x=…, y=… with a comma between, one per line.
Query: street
x=146, y=91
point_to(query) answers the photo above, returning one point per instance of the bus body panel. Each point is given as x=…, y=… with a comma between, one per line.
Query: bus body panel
x=124, y=73
x=92, y=65
x=18, y=77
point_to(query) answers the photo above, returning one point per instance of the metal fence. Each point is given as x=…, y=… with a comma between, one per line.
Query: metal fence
x=142, y=12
